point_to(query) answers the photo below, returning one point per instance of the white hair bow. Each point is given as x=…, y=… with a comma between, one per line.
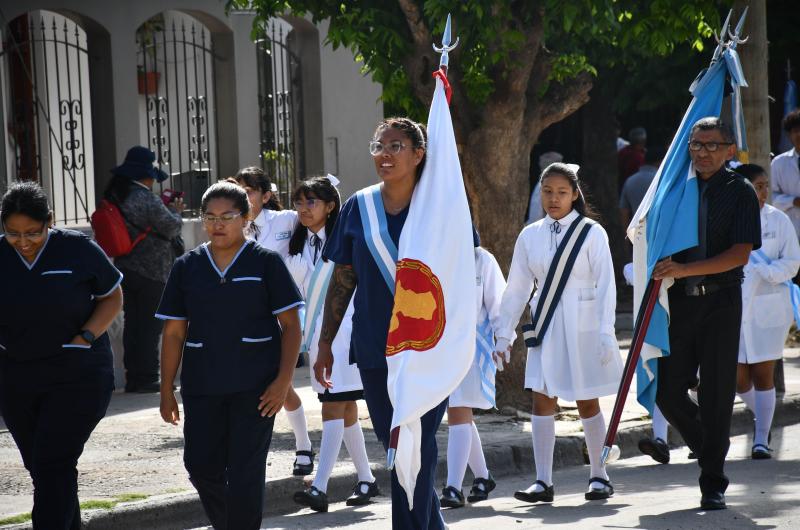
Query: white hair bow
x=333, y=180
x=573, y=167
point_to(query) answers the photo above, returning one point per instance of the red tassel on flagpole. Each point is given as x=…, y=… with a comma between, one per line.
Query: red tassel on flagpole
x=441, y=73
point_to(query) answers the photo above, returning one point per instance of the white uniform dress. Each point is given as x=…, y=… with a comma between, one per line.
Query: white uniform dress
x=275, y=229
x=491, y=283
x=766, y=304
x=345, y=377
x=568, y=362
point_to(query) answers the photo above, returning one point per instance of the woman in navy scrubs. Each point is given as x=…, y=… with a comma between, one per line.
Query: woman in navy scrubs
x=398, y=151
x=60, y=294
x=230, y=311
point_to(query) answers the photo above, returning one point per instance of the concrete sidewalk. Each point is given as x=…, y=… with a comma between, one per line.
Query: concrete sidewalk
x=134, y=455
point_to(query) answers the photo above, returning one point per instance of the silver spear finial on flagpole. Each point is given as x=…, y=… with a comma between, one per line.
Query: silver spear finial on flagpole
x=720, y=37
x=446, y=47
x=735, y=37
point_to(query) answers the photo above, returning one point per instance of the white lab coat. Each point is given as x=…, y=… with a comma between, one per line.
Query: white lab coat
x=276, y=229
x=568, y=362
x=490, y=282
x=766, y=304
x=345, y=377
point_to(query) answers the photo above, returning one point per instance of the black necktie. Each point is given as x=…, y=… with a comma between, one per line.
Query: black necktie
x=315, y=242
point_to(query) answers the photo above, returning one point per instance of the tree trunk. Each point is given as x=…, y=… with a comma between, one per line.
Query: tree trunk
x=755, y=98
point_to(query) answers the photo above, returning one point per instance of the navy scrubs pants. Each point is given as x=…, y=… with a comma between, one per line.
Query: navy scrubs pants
x=427, y=512
x=50, y=428
x=226, y=444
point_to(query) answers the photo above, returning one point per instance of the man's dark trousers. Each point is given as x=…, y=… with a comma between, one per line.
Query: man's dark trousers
x=703, y=332
x=142, y=329
x=426, y=514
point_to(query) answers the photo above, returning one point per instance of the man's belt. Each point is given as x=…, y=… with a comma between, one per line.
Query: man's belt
x=704, y=289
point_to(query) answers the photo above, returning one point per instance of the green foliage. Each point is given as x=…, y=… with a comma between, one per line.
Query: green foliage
x=582, y=35
x=16, y=519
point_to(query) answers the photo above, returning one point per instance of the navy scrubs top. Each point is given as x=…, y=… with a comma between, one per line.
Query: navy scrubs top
x=233, y=341
x=45, y=304
x=373, y=302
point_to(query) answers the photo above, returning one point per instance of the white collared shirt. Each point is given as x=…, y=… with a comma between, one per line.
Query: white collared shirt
x=276, y=229
x=785, y=175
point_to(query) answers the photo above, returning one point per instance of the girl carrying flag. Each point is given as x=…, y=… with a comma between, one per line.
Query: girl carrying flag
x=317, y=202
x=572, y=349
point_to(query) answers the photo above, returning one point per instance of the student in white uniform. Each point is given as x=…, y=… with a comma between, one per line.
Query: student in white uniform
x=477, y=390
x=272, y=227
x=317, y=202
x=574, y=353
x=766, y=309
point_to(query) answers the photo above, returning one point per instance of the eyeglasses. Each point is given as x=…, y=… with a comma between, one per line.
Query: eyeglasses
x=710, y=146
x=225, y=218
x=308, y=203
x=376, y=148
x=31, y=236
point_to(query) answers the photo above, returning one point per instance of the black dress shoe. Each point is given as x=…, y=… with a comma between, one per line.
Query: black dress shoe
x=692, y=455
x=481, y=487
x=656, y=449
x=597, y=494
x=313, y=498
x=301, y=470
x=713, y=501
x=530, y=495
x=363, y=493
x=760, y=452
x=451, y=498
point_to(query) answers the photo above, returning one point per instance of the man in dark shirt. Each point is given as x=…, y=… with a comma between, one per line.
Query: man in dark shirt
x=706, y=307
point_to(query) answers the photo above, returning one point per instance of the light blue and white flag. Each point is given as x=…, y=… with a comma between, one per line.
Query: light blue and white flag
x=666, y=221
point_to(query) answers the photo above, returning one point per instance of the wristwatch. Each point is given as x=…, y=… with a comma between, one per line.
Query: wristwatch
x=87, y=335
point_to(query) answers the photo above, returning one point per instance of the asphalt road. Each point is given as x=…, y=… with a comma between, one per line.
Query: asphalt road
x=762, y=494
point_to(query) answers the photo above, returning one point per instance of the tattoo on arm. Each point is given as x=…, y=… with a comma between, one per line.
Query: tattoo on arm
x=340, y=291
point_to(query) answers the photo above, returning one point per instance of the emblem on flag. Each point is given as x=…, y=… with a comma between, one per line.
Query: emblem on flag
x=418, y=318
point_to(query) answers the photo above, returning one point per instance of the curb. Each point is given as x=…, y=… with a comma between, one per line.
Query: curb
x=512, y=457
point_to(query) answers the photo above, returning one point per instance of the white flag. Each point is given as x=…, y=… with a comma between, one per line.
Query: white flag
x=431, y=341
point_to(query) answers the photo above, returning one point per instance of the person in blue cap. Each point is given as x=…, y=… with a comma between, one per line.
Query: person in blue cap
x=60, y=293
x=231, y=315
x=147, y=266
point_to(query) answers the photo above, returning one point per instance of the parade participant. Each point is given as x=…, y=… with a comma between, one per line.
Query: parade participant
x=706, y=307
x=147, y=266
x=766, y=309
x=477, y=390
x=398, y=150
x=230, y=306
x=785, y=169
x=272, y=227
x=572, y=350
x=60, y=294
x=317, y=203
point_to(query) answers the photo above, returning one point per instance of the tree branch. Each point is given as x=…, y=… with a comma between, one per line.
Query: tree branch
x=419, y=31
x=560, y=100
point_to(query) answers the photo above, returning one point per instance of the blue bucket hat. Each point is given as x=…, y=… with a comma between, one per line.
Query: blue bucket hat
x=138, y=165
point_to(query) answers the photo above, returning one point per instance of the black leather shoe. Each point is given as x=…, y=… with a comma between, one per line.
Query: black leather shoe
x=301, y=470
x=692, y=455
x=313, y=498
x=760, y=452
x=451, y=498
x=362, y=493
x=481, y=487
x=595, y=494
x=656, y=449
x=536, y=496
x=713, y=501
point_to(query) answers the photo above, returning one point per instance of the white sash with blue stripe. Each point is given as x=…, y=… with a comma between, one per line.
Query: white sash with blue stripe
x=483, y=356
x=794, y=291
x=376, y=233
x=315, y=300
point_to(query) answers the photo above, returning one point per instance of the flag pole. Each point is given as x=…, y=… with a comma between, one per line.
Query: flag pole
x=444, y=62
x=639, y=332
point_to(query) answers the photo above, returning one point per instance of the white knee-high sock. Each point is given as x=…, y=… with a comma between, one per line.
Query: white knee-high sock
x=477, y=461
x=332, y=432
x=459, y=440
x=297, y=419
x=354, y=441
x=659, y=425
x=749, y=399
x=543, y=431
x=594, y=429
x=765, y=408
